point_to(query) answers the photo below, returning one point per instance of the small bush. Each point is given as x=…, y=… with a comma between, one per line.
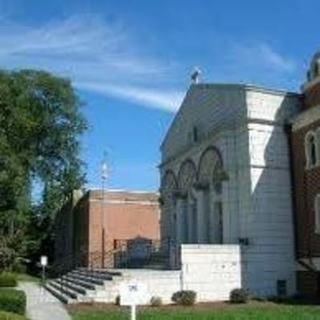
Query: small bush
x=117, y=302
x=184, y=297
x=156, y=301
x=8, y=280
x=11, y=316
x=12, y=301
x=239, y=296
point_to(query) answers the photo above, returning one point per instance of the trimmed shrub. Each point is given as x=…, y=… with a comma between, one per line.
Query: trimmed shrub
x=11, y=316
x=184, y=297
x=156, y=301
x=7, y=280
x=117, y=301
x=239, y=296
x=13, y=301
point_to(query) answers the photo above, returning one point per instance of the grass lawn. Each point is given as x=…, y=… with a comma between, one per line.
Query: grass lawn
x=261, y=311
x=26, y=277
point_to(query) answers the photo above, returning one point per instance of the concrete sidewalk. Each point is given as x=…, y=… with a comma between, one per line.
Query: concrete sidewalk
x=41, y=305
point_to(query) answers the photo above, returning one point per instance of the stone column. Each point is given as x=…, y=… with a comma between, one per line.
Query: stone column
x=212, y=220
x=190, y=223
x=202, y=233
x=179, y=220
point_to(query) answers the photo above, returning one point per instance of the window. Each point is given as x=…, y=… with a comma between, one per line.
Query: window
x=282, y=288
x=311, y=150
x=195, y=134
x=317, y=213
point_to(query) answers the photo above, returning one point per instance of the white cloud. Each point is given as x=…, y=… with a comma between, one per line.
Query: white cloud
x=105, y=57
x=166, y=100
x=98, y=56
x=262, y=56
x=270, y=56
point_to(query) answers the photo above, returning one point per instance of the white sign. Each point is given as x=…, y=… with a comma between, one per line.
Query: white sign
x=44, y=261
x=133, y=293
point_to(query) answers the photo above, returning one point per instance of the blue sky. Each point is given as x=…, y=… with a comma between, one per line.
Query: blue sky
x=131, y=62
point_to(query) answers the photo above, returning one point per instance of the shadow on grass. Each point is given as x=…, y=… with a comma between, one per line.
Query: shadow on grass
x=299, y=301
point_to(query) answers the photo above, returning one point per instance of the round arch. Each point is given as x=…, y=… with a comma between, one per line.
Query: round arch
x=169, y=181
x=187, y=175
x=210, y=161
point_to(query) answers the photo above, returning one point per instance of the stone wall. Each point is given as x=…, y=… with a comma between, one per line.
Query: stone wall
x=249, y=129
x=268, y=218
x=211, y=270
x=201, y=108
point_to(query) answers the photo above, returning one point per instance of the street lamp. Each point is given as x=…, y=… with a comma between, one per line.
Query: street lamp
x=104, y=177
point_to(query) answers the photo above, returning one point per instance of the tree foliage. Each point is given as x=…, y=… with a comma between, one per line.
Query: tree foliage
x=40, y=126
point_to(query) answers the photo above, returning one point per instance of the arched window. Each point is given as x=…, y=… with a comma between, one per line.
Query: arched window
x=317, y=213
x=311, y=150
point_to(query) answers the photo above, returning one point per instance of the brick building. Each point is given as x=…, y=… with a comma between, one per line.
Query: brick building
x=306, y=173
x=96, y=222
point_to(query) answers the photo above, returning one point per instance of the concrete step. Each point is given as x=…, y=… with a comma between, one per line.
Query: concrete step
x=59, y=295
x=155, y=266
x=79, y=282
x=84, y=278
x=104, y=276
x=74, y=295
x=73, y=286
x=102, y=271
x=62, y=288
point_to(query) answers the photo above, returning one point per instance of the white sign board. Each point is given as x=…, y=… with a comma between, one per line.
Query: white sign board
x=44, y=261
x=133, y=293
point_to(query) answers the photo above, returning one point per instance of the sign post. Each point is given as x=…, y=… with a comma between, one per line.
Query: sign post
x=44, y=263
x=133, y=294
x=133, y=312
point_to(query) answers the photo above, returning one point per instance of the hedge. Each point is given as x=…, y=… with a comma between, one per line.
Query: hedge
x=12, y=300
x=8, y=280
x=11, y=316
x=239, y=295
x=184, y=297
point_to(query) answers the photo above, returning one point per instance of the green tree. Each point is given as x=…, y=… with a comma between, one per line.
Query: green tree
x=40, y=126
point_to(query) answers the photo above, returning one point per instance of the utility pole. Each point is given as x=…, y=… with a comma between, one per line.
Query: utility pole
x=104, y=177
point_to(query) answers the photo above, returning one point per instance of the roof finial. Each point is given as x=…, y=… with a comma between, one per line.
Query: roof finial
x=196, y=75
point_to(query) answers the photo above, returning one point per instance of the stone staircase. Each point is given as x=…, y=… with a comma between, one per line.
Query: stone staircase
x=86, y=286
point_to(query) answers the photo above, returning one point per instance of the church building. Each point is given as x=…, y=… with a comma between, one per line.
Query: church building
x=241, y=165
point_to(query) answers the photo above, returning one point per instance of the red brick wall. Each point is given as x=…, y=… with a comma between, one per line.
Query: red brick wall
x=311, y=96
x=307, y=186
x=122, y=221
x=127, y=216
x=307, y=283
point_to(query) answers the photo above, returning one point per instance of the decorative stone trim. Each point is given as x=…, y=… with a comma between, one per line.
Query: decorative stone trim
x=201, y=185
x=180, y=194
x=306, y=118
x=220, y=175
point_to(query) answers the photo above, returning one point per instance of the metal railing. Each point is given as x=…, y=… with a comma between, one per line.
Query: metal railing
x=125, y=254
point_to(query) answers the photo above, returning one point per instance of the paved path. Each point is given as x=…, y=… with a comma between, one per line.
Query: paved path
x=41, y=305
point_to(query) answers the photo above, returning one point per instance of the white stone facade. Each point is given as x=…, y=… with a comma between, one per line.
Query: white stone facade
x=225, y=179
x=221, y=273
